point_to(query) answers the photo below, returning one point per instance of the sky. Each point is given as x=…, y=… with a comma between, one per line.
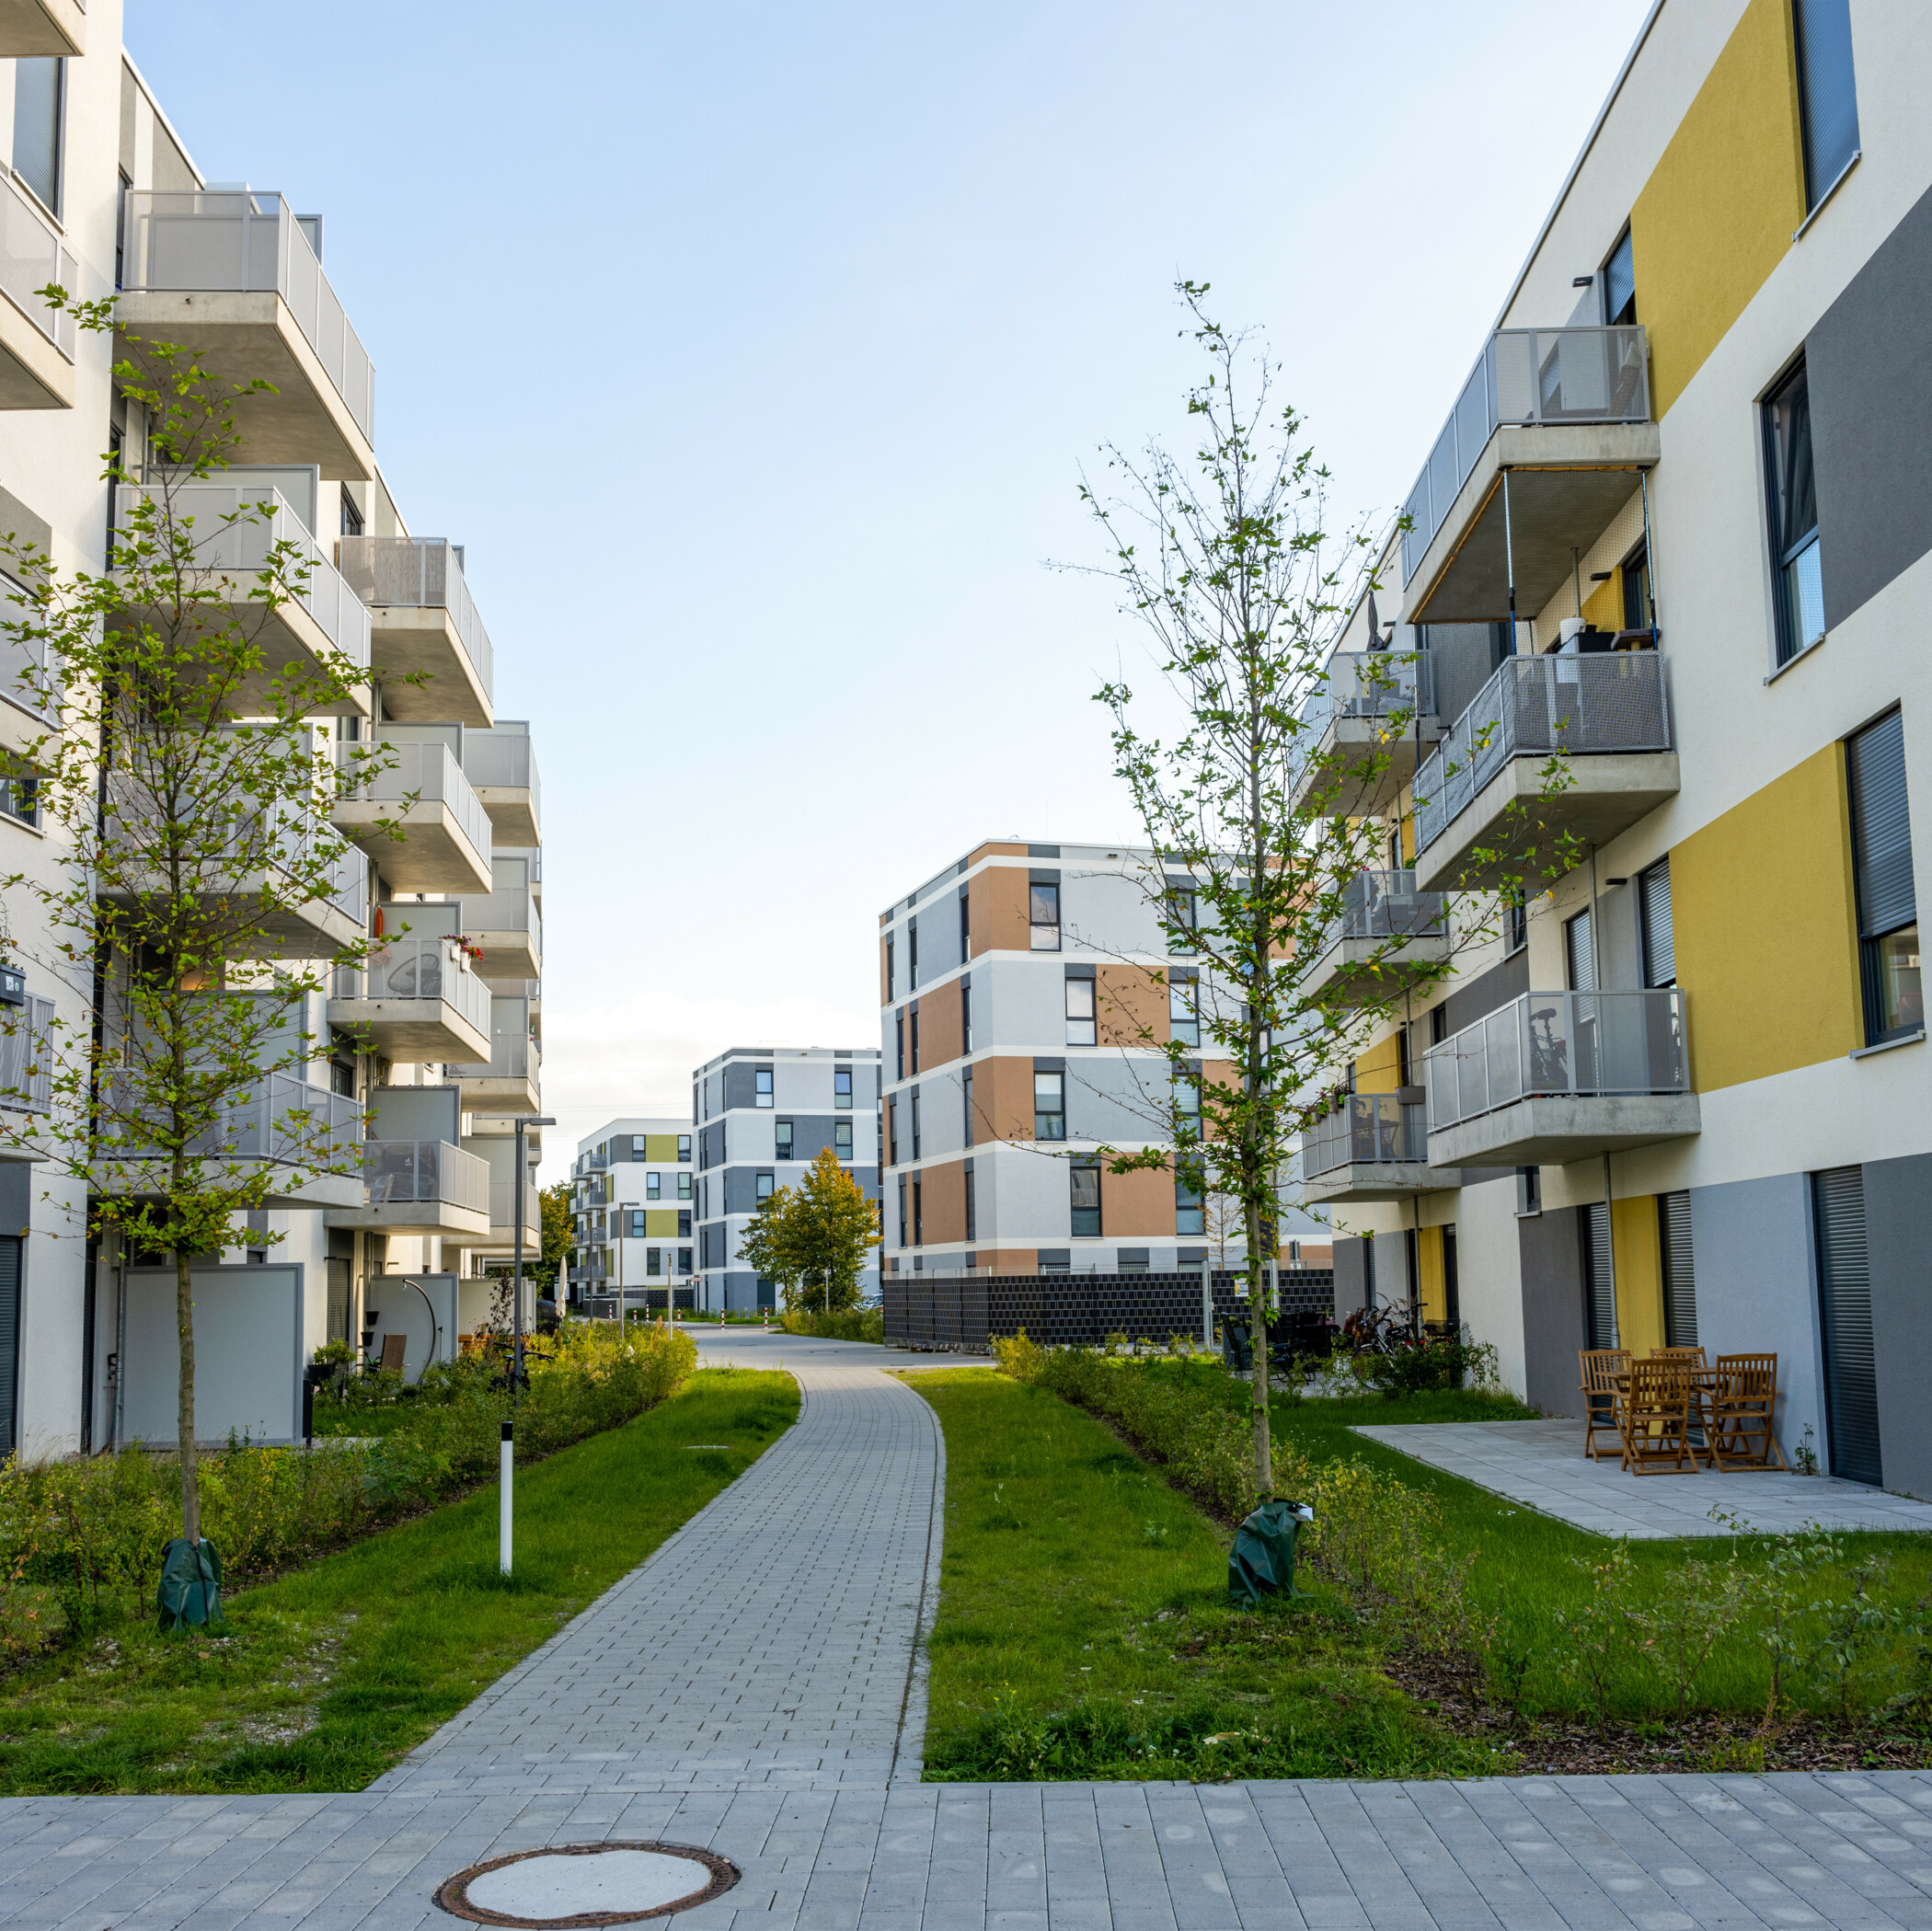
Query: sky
x=754, y=352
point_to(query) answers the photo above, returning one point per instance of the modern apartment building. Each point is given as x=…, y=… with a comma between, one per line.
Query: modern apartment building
x=762, y=1116
x=423, y=1057
x=1674, y=527
x=1016, y=987
x=633, y=1196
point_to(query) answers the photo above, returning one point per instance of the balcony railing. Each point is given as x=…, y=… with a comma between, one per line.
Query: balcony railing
x=416, y=573
x=32, y=256
x=1560, y=1045
x=416, y=968
x=281, y=1119
x=512, y=1055
x=26, y=1064
x=502, y=760
x=1531, y=376
x=24, y=658
x=1371, y=1129
x=242, y=549
x=1369, y=684
x=427, y=772
x=1379, y=905
x=502, y=1207
x=401, y=1172
x=514, y=910
x=213, y=239
x=1536, y=707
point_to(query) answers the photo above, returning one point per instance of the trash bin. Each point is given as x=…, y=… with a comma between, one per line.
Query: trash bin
x=1262, y=1562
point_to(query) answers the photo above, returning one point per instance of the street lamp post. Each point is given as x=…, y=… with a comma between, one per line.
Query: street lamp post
x=523, y=1122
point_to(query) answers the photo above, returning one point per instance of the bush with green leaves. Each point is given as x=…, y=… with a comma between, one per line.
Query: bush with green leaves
x=852, y=1324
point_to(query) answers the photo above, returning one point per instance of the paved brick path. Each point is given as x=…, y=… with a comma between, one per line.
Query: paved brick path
x=780, y=1725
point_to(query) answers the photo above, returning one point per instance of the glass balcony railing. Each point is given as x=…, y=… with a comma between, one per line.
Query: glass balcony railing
x=418, y=574
x=409, y=1172
x=426, y=771
x=1378, y=906
x=281, y=1119
x=503, y=760
x=1369, y=1129
x=31, y=257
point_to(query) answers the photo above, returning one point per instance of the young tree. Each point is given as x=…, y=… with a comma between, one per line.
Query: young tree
x=813, y=1239
x=201, y=896
x=558, y=1238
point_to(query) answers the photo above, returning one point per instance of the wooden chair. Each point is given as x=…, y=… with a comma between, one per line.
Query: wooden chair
x=1744, y=1407
x=395, y=1347
x=1597, y=1369
x=1694, y=1356
x=1656, y=1416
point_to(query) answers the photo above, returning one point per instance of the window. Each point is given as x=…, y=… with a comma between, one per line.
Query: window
x=121, y=185
x=762, y=1078
x=782, y=1139
x=1827, y=93
x=1438, y=1026
x=1184, y=1009
x=653, y=1260
x=1515, y=931
x=21, y=798
x=842, y=1139
x=893, y=1132
x=972, y=1209
x=683, y=1148
x=842, y=1086
x=1049, y=1106
x=1638, y=614
x=638, y=1146
x=1084, y=1183
x=902, y=1241
x=40, y=89
x=965, y=925
x=916, y=1123
x=918, y=1214
x=1620, y=285
x=1187, y=1103
x=651, y=1184
x=1882, y=869
x=911, y=955
x=1529, y=1190
x=966, y=1108
x=1680, y=1282
x=1189, y=1212
x=1044, y=915
x=1599, y=1276
x=683, y=1186
x=683, y=1260
x=352, y=516
x=1182, y=919
x=1080, y=1025
x=1794, y=518
x=637, y=1229
x=914, y=1026
x=898, y=1043
x=891, y=990
x=1580, y=953
x=965, y=1016
x=1653, y=923
x=683, y=1224
x=765, y=1186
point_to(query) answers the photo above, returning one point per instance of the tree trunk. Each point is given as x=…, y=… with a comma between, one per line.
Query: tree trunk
x=1258, y=1328
x=184, y=1412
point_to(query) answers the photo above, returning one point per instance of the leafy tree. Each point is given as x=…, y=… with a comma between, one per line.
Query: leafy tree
x=814, y=1240
x=201, y=896
x=558, y=1238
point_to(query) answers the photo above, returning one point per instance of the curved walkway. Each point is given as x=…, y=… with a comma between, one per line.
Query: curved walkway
x=751, y=1689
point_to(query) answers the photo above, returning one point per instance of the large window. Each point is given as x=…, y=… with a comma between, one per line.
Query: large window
x=1827, y=94
x=1654, y=924
x=965, y=1016
x=1084, y=1183
x=1184, y=1009
x=842, y=1086
x=1620, y=284
x=842, y=1139
x=761, y=1079
x=653, y=1184
x=1080, y=1023
x=966, y=1108
x=781, y=1139
x=1044, y=915
x=1049, y=1106
x=637, y=1223
x=40, y=89
x=972, y=1215
x=1189, y=1214
x=916, y=1123
x=1881, y=864
x=1794, y=517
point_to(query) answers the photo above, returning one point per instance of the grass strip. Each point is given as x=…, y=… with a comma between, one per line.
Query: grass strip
x=323, y=1679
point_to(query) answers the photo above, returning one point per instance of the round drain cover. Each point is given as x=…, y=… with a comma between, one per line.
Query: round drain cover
x=586, y=1884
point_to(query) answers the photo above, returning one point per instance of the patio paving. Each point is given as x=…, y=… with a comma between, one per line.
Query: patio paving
x=1542, y=1465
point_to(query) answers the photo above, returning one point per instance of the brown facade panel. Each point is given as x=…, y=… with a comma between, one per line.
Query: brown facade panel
x=1137, y=1204
x=1129, y=1006
x=939, y=1035
x=1002, y=1100
x=943, y=1197
x=1008, y=1260
x=996, y=910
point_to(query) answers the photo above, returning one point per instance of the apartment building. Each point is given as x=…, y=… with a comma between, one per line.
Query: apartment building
x=633, y=1196
x=762, y=1116
x=424, y=1057
x=1027, y=991
x=1674, y=528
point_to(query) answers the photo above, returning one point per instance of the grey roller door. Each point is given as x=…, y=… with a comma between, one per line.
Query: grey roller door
x=9, y=1344
x=1599, y=1284
x=1851, y=1401
x=1680, y=1283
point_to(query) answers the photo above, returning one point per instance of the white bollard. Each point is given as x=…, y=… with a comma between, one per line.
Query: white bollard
x=503, y=1512
x=1207, y=1303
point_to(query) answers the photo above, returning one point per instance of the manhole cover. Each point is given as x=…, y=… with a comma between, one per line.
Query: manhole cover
x=586, y=1884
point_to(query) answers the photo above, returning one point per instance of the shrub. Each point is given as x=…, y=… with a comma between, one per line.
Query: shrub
x=854, y=1324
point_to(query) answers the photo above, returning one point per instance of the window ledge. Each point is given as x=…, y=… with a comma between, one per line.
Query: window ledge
x=1791, y=663
x=1910, y=1039
x=1857, y=154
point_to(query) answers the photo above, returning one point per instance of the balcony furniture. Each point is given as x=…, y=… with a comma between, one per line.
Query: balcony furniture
x=423, y=625
x=415, y=999
x=395, y=1345
x=1598, y=1368
x=1658, y=1406
x=36, y=342
x=1743, y=1403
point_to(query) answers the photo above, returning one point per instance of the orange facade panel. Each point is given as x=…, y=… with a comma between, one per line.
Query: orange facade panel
x=996, y=909
x=942, y=1195
x=1131, y=1005
x=1138, y=1203
x=940, y=1036
x=1002, y=1100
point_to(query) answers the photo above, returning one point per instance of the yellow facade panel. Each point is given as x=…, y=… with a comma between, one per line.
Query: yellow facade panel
x=1431, y=1277
x=1379, y=1069
x=661, y=1146
x=661, y=1223
x=1639, y=1273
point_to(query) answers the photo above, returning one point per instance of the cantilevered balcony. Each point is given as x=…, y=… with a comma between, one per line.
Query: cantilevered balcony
x=505, y=927
x=324, y=625
x=1388, y=937
x=422, y=624
x=31, y=27
x=231, y=274
x=419, y=788
x=36, y=342
x=1483, y=799
x=1364, y=728
x=1374, y=1147
x=415, y=1001
x=1558, y=1076
x=421, y=1186
x=506, y=1083
x=30, y=704
x=503, y=770
x=1565, y=415
x=501, y=1235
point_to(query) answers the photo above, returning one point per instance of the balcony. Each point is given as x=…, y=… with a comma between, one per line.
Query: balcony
x=230, y=273
x=1483, y=789
x=31, y=28
x=422, y=622
x=501, y=1235
x=505, y=927
x=29, y=706
x=507, y=1082
x=1566, y=414
x=36, y=342
x=421, y=1186
x=421, y=792
x=1364, y=728
x=1388, y=937
x=503, y=770
x=1376, y=1148
x=323, y=625
x=415, y=1001
x=26, y=1074
x=1558, y=1076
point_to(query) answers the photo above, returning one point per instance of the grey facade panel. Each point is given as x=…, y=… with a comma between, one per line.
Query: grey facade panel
x=1871, y=418
x=1350, y=1279
x=1481, y=996
x=1551, y=1251
x=1898, y=1243
x=740, y=1082
x=1461, y=659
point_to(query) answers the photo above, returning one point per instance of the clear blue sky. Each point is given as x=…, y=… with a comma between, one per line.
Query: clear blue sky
x=753, y=350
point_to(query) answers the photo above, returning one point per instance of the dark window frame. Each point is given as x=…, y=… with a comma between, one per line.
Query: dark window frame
x=1792, y=530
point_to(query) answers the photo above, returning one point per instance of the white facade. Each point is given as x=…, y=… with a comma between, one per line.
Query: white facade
x=632, y=1201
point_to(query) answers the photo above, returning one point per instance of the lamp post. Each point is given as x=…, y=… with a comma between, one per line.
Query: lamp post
x=523, y=1122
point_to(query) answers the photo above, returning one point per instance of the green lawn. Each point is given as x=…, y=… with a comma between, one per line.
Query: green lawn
x=1083, y=1626
x=320, y=1681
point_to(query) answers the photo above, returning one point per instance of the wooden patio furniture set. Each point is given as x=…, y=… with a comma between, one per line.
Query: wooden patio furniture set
x=1674, y=1410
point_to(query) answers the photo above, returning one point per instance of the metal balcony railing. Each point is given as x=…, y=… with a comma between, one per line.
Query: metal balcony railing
x=1371, y=1129
x=427, y=771
x=430, y=970
x=1560, y=1044
x=241, y=548
x=502, y=760
x=31, y=257
x=511, y=1056
x=26, y=1066
x=213, y=239
x=401, y=1172
x=502, y=1207
x=418, y=574
x=1529, y=376
x=281, y=1119
x=1536, y=707
x=1377, y=905
x=509, y=911
x=23, y=661
x=1369, y=684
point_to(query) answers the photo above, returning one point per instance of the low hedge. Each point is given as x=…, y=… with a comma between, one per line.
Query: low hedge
x=856, y=1324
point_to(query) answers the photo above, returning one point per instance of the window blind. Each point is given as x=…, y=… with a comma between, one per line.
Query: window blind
x=1881, y=827
x=1653, y=911
x=1680, y=1285
x=1599, y=1285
